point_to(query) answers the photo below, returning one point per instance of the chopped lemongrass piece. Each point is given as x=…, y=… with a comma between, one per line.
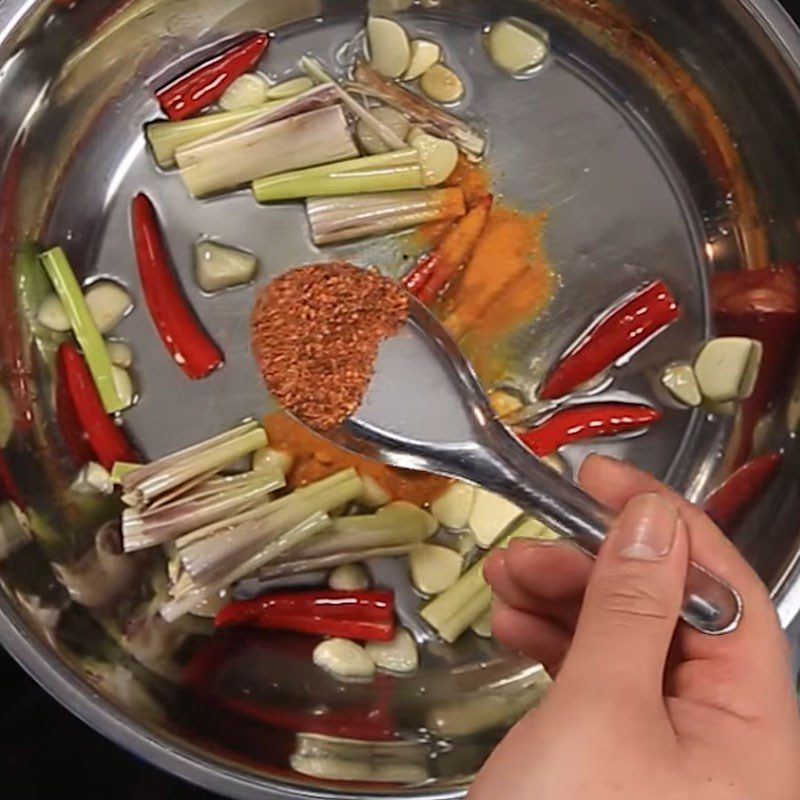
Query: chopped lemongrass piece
x=681, y=382
x=302, y=566
x=342, y=219
x=314, y=69
x=120, y=354
x=248, y=90
x=343, y=658
x=419, y=110
x=122, y=468
x=155, y=479
x=83, y=325
x=434, y=568
x=370, y=142
x=124, y=384
x=517, y=46
x=267, y=458
x=398, y=655
x=316, y=137
x=442, y=85
x=490, y=517
x=439, y=157
x=727, y=368
x=290, y=88
x=52, y=314
x=348, y=578
x=210, y=503
x=165, y=138
x=453, y=507
x=108, y=303
x=218, y=267
x=94, y=479
x=424, y=54
x=389, y=48
x=388, y=172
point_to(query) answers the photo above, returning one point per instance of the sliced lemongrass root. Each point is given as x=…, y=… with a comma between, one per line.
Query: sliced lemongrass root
x=247, y=91
x=434, y=568
x=442, y=85
x=120, y=354
x=268, y=458
x=424, y=54
x=517, y=46
x=681, y=382
x=291, y=88
x=400, y=655
x=348, y=578
x=342, y=219
x=483, y=626
x=108, y=303
x=389, y=47
x=371, y=143
x=727, y=368
x=453, y=507
x=52, y=315
x=344, y=658
x=218, y=266
x=374, y=495
x=439, y=157
x=124, y=385
x=490, y=517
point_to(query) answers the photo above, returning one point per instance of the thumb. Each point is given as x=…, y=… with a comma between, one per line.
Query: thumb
x=631, y=606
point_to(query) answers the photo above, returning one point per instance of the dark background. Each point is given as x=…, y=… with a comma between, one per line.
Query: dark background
x=45, y=751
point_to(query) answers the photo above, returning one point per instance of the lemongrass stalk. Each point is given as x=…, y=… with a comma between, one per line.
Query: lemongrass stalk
x=153, y=480
x=343, y=219
x=317, y=137
x=317, y=73
x=285, y=542
x=453, y=611
x=149, y=529
x=86, y=331
x=387, y=172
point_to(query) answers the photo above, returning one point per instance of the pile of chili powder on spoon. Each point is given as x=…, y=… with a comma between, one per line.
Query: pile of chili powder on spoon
x=316, y=332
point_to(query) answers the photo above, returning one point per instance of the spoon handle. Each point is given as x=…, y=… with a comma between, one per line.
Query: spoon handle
x=710, y=605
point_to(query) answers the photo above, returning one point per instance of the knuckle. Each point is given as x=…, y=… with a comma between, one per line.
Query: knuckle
x=631, y=598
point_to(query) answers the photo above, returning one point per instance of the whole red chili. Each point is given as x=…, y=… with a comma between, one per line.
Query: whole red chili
x=205, y=84
x=587, y=421
x=623, y=328
x=352, y=615
x=191, y=347
x=67, y=418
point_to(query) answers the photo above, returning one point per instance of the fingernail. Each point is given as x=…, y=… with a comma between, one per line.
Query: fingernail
x=647, y=528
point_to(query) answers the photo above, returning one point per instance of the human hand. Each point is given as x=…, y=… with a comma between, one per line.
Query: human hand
x=642, y=708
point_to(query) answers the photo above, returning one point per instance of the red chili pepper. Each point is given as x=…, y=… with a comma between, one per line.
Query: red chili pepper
x=353, y=615
x=191, y=347
x=67, y=417
x=436, y=269
x=623, y=328
x=107, y=440
x=763, y=305
x=587, y=422
x=729, y=501
x=205, y=84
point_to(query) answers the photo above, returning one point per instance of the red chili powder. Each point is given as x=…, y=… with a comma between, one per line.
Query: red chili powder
x=316, y=332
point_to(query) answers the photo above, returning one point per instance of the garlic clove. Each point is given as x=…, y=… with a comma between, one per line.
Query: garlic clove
x=266, y=458
x=424, y=54
x=491, y=515
x=108, y=303
x=434, y=568
x=348, y=578
x=442, y=85
x=246, y=91
x=120, y=354
x=439, y=157
x=681, y=382
x=399, y=655
x=343, y=658
x=727, y=368
x=453, y=507
x=52, y=315
x=516, y=46
x=370, y=142
x=389, y=48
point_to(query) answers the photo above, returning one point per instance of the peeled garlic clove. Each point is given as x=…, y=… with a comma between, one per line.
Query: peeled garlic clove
x=219, y=267
x=483, y=627
x=108, y=303
x=438, y=157
x=94, y=479
x=681, y=382
x=348, y=578
x=123, y=385
x=727, y=368
x=516, y=46
x=424, y=54
x=389, y=48
x=373, y=496
x=344, y=658
x=370, y=142
x=120, y=354
x=246, y=91
x=434, y=568
x=399, y=655
x=491, y=515
x=442, y=85
x=453, y=507
x=503, y=403
x=52, y=315
x=266, y=458
x=290, y=88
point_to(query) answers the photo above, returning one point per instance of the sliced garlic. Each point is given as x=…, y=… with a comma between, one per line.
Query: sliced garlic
x=370, y=142
x=290, y=88
x=348, y=578
x=120, y=354
x=94, y=479
x=439, y=157
x=389, y=48
x=331, y=769
x=251, y=89
x=344, y=658
x=491, y=515
x=483, y=627
x=434, y=568
x=399, y=655
x=373, y=495
x=266, y=458
x=442, y=85
x=517, y=46
x=503, y=403
x=681, y=382
x=727, y=368
x=52, y=315
x=108, y=303
x=424, y=54
x=453, y=508
x=219, y=267
x=124, y=385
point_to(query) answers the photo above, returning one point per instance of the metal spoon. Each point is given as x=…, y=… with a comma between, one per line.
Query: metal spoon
x=425, y=410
